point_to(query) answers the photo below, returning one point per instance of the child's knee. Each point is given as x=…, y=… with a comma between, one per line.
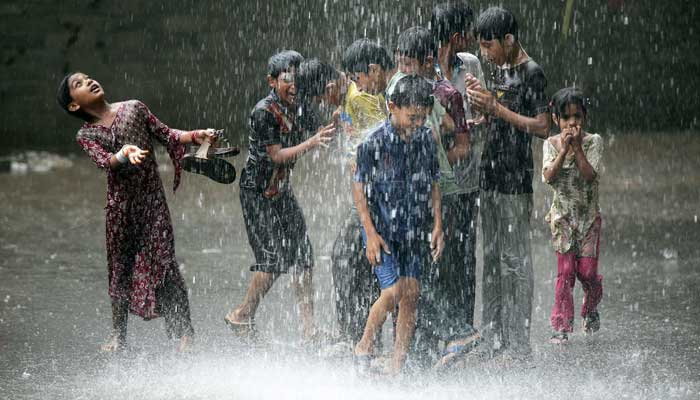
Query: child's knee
x=389, y=297
x=588, y=270
x=410, y=290
x=566, y=265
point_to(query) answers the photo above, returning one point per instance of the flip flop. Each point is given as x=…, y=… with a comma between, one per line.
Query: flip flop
x=362, y=363
x=240, y=328
x=456, y=352
x=559, y=338
x=216, y=169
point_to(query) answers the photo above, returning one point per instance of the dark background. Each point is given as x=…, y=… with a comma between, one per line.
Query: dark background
x=202, y=63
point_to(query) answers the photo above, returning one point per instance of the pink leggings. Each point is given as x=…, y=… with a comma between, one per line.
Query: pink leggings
x=570, y=267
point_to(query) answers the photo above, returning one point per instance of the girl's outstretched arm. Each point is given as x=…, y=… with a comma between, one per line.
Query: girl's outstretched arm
x=107, y=160
x=199, y=136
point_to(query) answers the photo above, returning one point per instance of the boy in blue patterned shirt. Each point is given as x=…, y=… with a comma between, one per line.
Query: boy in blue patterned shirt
x=396, y=190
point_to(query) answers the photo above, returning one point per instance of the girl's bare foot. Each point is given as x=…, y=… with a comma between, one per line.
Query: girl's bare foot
x=186, y=344
x=114, y=344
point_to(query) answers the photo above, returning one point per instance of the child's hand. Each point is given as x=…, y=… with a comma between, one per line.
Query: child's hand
x=132, y=154
x=482, y=100
x=576, y=136
x=471, y=82
x=208, y=135
x=324, y=135
x=437, y=243
x=375, y=245
x=566, y=139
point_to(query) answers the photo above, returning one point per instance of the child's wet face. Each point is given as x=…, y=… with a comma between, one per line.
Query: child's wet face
x=469, y=41
x=412, y=66
x=335, y=91
x=84, y=90
x=573, y=116
x=408, y=118
x=285, y=87
x=373, y=81
x=493, y=51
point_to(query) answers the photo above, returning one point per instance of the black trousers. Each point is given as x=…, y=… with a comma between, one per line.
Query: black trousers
x=448, y=288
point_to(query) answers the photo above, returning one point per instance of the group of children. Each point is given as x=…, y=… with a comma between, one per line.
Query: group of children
x=428, y=143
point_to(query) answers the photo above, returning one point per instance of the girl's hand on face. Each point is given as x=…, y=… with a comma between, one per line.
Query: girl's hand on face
x=576, y=136
x=134, y=154
x=566, y=138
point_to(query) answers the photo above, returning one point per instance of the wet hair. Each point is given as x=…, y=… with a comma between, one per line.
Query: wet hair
x=312, y=77
x=64, y=98
x=496, y=23
x=416, y=42
x=569, y=95
x=283, y=62
x=363, y=52
x=412, y=90
x=450, y=18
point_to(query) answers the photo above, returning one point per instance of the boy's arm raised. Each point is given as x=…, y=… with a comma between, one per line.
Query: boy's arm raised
x=283, y=155
x=375, y=243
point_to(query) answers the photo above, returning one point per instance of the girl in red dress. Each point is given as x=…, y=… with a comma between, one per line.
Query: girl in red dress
x=144, y=277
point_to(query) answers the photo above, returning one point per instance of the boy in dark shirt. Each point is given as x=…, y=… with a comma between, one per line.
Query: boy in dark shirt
x=516, y=107
x=274, y=221
x=396, y=190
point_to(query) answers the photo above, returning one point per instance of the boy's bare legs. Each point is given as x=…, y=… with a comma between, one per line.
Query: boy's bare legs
x=120, y=315
x=385, y=304
x=303, y=289
x=406, y=321
x=259, y=285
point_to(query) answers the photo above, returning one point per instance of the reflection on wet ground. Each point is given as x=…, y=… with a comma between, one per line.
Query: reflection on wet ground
x=54, y=309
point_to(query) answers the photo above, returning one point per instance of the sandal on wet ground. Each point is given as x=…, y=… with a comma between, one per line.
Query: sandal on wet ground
x=241, y=328
x=457, y=349
x=559, y=338
x=362, y=364
x=591, y=323
x=214, y=168
x=114, y=345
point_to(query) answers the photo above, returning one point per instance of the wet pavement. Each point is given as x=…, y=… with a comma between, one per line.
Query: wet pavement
x=54, y=308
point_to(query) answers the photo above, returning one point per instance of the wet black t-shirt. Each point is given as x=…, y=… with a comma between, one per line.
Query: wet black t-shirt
x=506, y=163
x=272, y=123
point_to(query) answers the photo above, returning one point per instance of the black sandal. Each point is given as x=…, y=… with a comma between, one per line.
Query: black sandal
x=216, y=169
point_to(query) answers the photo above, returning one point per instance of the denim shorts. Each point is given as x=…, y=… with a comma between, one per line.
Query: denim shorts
x=404, y=261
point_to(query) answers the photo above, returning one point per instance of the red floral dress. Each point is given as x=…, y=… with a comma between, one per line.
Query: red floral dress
x=140, y=241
